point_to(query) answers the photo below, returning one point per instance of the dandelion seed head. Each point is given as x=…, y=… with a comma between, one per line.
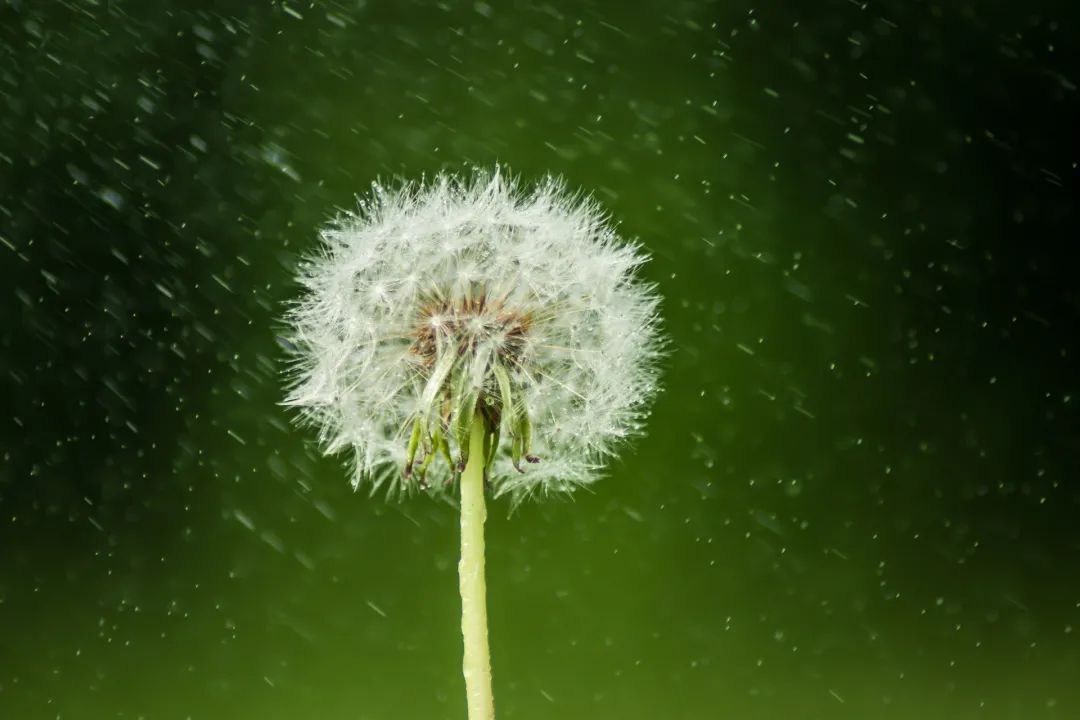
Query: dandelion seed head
x=438, y=300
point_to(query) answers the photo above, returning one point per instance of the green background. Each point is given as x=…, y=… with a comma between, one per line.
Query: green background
x=857, y=497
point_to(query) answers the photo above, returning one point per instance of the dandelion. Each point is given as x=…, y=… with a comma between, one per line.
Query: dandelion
x=473, y=334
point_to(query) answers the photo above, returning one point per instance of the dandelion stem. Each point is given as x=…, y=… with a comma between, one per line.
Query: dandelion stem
x=477, y=662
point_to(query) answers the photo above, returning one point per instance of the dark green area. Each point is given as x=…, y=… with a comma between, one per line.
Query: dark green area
x=858, y=495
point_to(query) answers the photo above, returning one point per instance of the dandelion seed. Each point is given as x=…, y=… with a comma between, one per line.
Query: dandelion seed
x=474, y=332
x=441, y=300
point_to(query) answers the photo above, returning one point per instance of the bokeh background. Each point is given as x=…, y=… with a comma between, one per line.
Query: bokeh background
x=858, y=494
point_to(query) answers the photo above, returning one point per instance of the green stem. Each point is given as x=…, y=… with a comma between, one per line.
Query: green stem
x=477, y=662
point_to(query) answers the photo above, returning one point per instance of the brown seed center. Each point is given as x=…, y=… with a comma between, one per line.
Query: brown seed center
x=467, y=323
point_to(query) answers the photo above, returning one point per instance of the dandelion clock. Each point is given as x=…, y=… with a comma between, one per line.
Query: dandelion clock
x=478, y=337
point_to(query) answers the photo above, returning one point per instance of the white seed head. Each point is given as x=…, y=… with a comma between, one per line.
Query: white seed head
x=439, y=301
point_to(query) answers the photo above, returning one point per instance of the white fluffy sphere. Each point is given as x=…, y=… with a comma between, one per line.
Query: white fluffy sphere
x=522, y=301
